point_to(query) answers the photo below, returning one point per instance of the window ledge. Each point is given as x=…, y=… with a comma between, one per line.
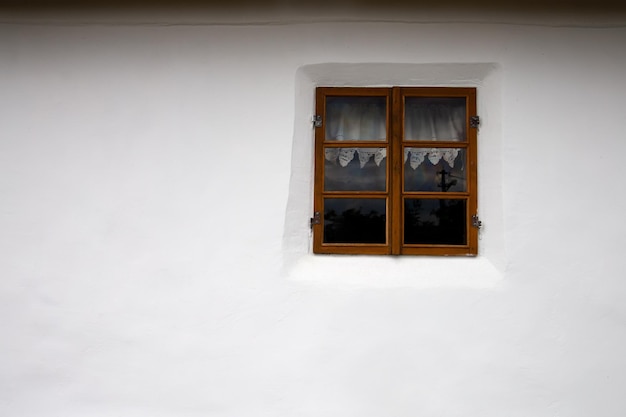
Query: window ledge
x=394, y=272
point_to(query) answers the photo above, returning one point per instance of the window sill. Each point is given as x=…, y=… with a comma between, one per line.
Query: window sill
x=394, y=272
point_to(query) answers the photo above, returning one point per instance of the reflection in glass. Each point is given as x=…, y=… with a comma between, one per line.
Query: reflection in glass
x=356, y=118
x=435, y=169
x=355, y=169
x=435, y=221
x=434, y=118
x=355, y=220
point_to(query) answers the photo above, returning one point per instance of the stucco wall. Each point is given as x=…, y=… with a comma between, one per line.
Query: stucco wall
x=155, y=193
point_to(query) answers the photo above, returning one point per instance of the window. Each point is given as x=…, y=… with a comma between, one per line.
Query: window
x=395, y=171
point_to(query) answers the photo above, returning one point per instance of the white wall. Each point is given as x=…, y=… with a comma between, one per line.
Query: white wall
x=153, y=211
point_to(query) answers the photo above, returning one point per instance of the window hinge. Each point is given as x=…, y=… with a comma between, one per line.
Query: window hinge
x=476, y=221
x=317, y=121
x=316, y=219
x=474, y=121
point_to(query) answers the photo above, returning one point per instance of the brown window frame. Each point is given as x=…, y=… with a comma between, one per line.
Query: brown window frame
x=395, y=193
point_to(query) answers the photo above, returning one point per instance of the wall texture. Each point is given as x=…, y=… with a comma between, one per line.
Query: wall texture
x=155, y=189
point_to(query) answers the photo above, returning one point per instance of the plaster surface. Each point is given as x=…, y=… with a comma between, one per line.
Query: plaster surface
x=154, y=205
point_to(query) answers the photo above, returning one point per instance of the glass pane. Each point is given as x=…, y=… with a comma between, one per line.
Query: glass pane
x=435, y=169
x=355, y=169
x=355, y=220
x=356, y=118
x=434, y=221
x=434, y=118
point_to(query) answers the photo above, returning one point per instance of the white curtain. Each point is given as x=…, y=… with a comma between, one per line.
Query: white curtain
x=355, y=119
x=364, y=118
x=427, y=120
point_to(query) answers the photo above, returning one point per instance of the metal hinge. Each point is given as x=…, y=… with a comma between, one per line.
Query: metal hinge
x=476, y=222
x=316, y=219
x=317, y=121
x=474, y=121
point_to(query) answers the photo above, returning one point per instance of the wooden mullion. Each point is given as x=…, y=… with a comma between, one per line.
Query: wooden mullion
x=436, y=195
x=354, y=194
x=472, y=205
x=318, y=199
x=433, y=250
x=438, y=92
x=355, y=144
x=353, y=91
x=396, y=172
x=354, y=249
x=434, y=144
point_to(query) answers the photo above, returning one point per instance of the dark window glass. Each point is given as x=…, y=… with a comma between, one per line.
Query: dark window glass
x=435, y=221
x=355, y=220
x=355, y=169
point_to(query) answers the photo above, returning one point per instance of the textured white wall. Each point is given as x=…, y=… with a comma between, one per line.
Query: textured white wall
x=151, y=218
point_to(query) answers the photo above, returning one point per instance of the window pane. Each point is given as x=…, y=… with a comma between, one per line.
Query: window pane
x=356, y=118
x=435, y=221
x=355, y=220
x=430, y=118
x=355, y=169
x=435, y=169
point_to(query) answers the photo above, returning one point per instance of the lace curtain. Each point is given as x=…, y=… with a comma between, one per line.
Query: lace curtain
x=416, y=156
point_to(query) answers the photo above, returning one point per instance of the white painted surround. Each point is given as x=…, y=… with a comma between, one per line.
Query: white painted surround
x=377, y=271
x=155, y=190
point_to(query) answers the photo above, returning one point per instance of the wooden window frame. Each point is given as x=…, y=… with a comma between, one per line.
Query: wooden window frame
x=395, y=193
